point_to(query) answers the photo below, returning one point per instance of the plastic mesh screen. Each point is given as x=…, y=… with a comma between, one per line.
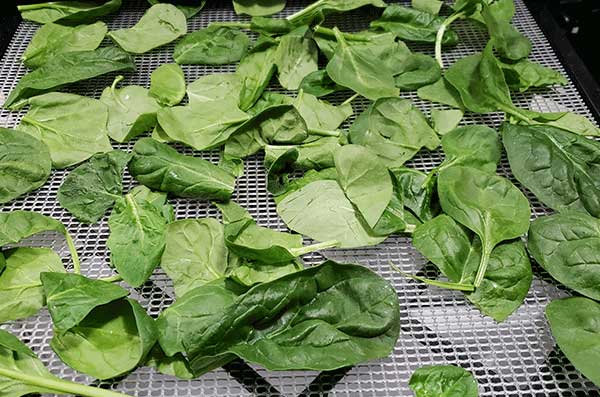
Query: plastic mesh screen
x=515, y=358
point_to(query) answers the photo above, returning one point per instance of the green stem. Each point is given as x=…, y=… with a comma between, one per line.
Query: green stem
x=513, y=111
x=314, y=247
x=440, y=36
x=29, y=7
x=348, y=36
x=486, y=251
x=305, y=11
x=349, y=100
x=113, y=88
x=240, y=25
x=58, y=385
x=410, y=228
x=436, y=283
x=111, y=279
x=74, y=255
x=320, y=132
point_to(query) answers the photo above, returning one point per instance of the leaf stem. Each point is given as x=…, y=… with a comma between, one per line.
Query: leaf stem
x=74, y=255
x=349, y=100
x=314, y=247
x=305, y=11
x=113, y=87
x=29, y=7
x=240, y=25
x=436, y=283
x=483, y=264
x=440, y=36
x=58, y=385
x=320, y=132
x=410, y=228
x=111, y=279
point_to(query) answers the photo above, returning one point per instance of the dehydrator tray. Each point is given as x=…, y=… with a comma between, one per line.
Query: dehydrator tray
x=515, y=358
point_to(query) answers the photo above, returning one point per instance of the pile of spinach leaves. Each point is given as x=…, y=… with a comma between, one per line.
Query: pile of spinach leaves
x=340, y=181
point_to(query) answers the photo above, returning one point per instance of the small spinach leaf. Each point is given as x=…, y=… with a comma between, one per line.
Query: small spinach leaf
x=67, y=12
x=255, y=71
x=318, y=83
x=214, y=45
x=167, y=84
x=443, y=380
x=445, y=120
x=441, y=92
x=258, y=8
x=524, y=74
x=476, y=146
x=189, y=8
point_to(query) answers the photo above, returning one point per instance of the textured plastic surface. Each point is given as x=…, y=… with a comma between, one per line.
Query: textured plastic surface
x=515, y=358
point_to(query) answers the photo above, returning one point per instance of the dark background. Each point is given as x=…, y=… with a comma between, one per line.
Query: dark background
x=572, y=27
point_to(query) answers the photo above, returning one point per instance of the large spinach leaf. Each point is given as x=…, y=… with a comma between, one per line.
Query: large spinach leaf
x=566, y=246
x=72, y=126
x=413, y=25
x=25, y=164
x=457, y=254
x=443, y=381
x=161, y=24
x=67, y=12
x=489, y=205
x=258, y=7
x=321, y=211
x=202, y=125
x=295, y=58
x=321, y=318
x=92, y=188
x=559, y=167
x=365, y=181
x=394, y=129
x=215, y=45
x=52, y=39
x=110, y=341
x=136, y=225
x=195, y=253
x=161, y=167
x=361, y=70
x=131, y=110
x=320, y=8
x=21, y=292
x=67, y=68
x=71, y=297
x=574, y=325
x=255, y=71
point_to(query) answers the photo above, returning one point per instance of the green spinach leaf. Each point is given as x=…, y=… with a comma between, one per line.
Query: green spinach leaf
x=67, y=68
x=560, y=168
x=476, y=146
x=92, y=188
x=255, y=71
x=317, y=154
x=418, y=70
x=167, y=84
x=25, y=164
x=21, y=292
x=160, y=25
x=443, y=380
x=177, y=365
x=157, y=199
x=295, y=58
x=417, y=191
x=321, y=117
x=214, y=45
x=258, y=7
x=524, y=74
x=320, y=8
x=318, y=83
x=52, y=39
x=441, y=92
x=188, y=8
x=574, y=325
x=161, y=167
x=445, y=120
x=429, y=6
x=214, y=87
x=507, y=40
x=566, y=246
x=67, y=12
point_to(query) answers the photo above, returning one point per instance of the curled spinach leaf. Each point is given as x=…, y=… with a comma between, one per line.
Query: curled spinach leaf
x=215, y=45
x=320, y=8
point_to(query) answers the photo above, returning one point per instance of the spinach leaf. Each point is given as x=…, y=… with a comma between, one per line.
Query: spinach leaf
x=160, y=25
x=270, y=26
x=360, y=70
x=67, y=68
x=249, y=274
x=131, y=111
x=110, y=341
x=320, y=116
x=18, y=225
x=67, y=12
x=71, y=297
x=413, y=25
x=25, y=164
x=202, y=125
x=320, y=8
x=195, y=253
x=321, y=211
x=476, y=146
x=136, y=225
x=161, y=167
x=232, y=211
x=567, y=121
x=157, y=199
x=188, y=8
x=317, y=154
x=177, y=365
x=320, y=318
x=365, y=181
x=418, y=70
x=214, y=45
x=506, y=39
x=255, y=71
x=92, y=188
x=250, y=241
x=443, y=380
x=52, y=39
x=278, y=124
x=21, y=293
x=565, y=245
x=558, y=167
x=295, y=58
x=318, y=83
x=524, y=74
x=574, y=325
x=214, y=87
x=167, y=84
x=394, y=129
x=457, y=254
x=429, y=6
x=444, y=121
x=441, y=92
x=417, y=192
x=258, y=7
x=72, y=126
x=489, y=205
